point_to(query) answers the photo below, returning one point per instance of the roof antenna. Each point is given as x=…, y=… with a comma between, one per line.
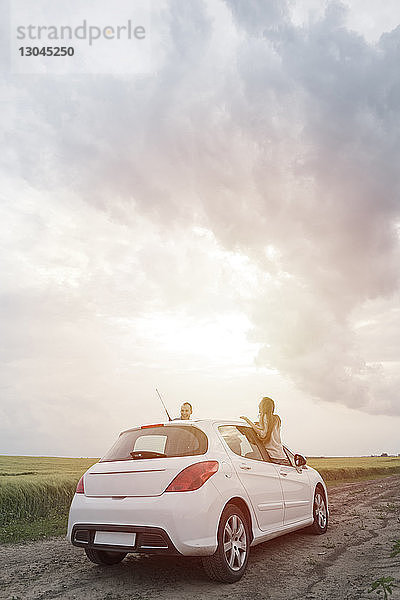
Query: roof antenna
x=165, y=408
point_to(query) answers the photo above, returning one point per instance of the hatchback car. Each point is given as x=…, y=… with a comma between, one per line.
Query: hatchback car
x=202, y=488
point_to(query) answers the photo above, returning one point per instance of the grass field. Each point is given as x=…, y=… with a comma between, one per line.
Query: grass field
x=35, y=492
x=336, y=470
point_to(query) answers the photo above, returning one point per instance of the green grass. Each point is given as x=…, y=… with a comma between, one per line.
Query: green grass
x=35, y=529
x=36, y=491
x=35, y=495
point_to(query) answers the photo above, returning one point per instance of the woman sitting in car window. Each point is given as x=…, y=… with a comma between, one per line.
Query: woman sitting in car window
x=269, y=431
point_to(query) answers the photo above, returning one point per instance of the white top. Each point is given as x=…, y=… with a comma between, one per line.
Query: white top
x=274, y=445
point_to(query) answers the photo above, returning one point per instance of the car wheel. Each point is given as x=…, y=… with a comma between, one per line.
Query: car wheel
x=320, y=513
x=229, y=561
x=102, y=557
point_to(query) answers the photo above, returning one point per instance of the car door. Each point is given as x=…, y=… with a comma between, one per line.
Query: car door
x=259, y=478
x=296, y=491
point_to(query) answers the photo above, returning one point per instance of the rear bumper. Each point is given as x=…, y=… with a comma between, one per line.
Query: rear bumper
x=187, y=520
x=151, y=540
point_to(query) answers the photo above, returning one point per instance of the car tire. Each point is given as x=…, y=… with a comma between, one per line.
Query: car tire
x=320, y=512
x=229, y=561
x=102, y=557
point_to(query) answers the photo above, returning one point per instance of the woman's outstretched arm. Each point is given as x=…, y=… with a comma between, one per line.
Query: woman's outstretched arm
x=259, y=430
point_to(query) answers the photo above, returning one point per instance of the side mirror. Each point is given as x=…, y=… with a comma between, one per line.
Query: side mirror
x=299, y=460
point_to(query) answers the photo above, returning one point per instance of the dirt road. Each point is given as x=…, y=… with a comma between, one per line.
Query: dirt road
x=340, y=565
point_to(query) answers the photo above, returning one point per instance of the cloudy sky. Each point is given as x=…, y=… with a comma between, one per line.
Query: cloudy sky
x=222, y=227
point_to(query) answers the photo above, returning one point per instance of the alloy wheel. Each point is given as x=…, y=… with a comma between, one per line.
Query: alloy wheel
x=320, y=513
x=235, y=542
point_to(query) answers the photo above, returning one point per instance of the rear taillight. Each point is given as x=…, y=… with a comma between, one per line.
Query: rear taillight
x=193, y=477
x=80, y=489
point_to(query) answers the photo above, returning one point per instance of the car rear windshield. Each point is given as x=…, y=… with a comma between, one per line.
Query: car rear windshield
x=158, y=442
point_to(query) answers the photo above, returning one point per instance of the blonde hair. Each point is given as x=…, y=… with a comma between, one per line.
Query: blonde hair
x=267, y=407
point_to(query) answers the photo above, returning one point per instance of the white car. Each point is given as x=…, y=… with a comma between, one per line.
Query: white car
x=194, y=488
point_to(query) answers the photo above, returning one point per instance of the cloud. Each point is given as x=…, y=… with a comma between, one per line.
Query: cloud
x=279, y=141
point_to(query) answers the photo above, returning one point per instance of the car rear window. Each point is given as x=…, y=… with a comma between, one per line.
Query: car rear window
x=157, y=442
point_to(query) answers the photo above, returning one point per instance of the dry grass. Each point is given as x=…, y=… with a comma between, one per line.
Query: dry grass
x=354, y=468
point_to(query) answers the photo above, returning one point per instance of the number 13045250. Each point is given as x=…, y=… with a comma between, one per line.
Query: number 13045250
x=46, y=51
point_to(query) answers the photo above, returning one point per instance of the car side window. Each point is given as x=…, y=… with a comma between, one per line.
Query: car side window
x=240, y=441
